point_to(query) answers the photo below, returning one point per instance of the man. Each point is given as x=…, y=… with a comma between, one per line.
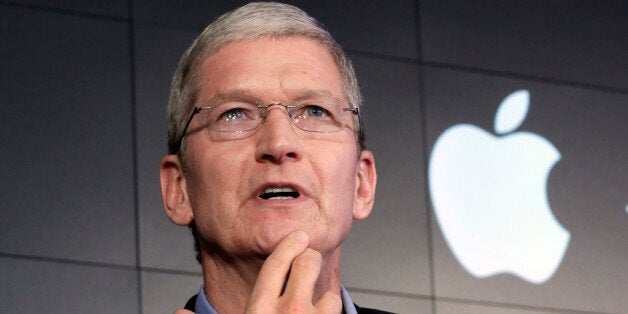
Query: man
x=266, y=162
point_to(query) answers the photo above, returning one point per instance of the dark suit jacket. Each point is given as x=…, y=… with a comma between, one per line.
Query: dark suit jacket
x=192, y=302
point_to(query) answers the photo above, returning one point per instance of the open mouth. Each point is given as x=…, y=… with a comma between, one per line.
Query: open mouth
x=279, y=193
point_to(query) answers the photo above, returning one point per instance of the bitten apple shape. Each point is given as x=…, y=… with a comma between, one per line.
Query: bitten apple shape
x=489, y=194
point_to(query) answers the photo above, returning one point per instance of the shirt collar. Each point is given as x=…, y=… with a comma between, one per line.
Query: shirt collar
x=202, y=305
x=347, y=303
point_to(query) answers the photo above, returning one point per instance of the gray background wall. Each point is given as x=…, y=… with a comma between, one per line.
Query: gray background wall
x=83, y=88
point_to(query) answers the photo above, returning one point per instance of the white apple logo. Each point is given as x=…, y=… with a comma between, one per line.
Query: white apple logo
x=489, y=196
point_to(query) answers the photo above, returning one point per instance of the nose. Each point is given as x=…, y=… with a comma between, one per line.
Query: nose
x=278, y=141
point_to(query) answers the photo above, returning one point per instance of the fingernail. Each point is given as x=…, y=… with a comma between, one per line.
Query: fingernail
x=301, y=236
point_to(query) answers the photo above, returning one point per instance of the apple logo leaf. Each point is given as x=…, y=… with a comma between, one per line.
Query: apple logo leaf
x=512, y=111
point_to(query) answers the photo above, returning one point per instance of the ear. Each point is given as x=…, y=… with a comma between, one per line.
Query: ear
x=366, y=181
x=173, y=191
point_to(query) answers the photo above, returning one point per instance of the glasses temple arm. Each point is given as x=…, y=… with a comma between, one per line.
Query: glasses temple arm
x=185, y=128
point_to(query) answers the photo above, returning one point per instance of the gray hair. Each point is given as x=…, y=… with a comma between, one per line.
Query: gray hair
x=251, y=21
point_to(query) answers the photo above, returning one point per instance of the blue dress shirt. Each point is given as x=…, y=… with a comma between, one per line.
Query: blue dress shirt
x=203, y=307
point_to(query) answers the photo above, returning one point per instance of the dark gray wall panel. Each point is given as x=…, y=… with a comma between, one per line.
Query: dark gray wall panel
x=114, y=8
x=165, y=293
x=466, y=308
x=163, y=244
x=586, y=188
x=376, y=26
x=67, y=185
x=191, y=15
x=38, y=287
x=582, y=41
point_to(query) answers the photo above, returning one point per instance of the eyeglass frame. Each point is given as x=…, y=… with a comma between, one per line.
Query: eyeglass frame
x=197, y=109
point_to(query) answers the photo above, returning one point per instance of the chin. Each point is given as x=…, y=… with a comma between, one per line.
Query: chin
x=269, y=236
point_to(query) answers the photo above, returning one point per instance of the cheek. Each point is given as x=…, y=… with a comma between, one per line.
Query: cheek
x=215, y=178
x=214, y=183
x=217, y=165
x=336, y=175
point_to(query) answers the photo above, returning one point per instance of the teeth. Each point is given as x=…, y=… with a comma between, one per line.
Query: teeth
x=285, y=189
x=279, y=193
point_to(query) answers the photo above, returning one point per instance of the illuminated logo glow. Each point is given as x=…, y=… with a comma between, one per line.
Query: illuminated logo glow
x=489, y=195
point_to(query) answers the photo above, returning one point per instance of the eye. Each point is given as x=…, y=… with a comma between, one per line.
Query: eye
x=314, y=111
x=232, y=115
x=233, y=112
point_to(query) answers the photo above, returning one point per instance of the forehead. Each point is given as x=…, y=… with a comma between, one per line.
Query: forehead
x=270, y=68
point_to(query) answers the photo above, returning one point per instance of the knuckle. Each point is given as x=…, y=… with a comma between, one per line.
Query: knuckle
x=295, y=307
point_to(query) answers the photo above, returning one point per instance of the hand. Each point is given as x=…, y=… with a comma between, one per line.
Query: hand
x=293, y=261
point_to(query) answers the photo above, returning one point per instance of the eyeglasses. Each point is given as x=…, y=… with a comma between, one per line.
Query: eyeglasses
x=230, y=119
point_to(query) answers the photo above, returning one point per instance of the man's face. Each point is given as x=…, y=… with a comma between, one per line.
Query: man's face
x=225, y=180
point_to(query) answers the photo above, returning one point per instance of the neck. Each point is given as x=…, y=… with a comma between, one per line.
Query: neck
x=229, y=283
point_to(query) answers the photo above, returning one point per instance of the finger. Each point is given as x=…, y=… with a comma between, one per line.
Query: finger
x=329, y=303
x=303, y=276
x=183, y=312
x=271, y=278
